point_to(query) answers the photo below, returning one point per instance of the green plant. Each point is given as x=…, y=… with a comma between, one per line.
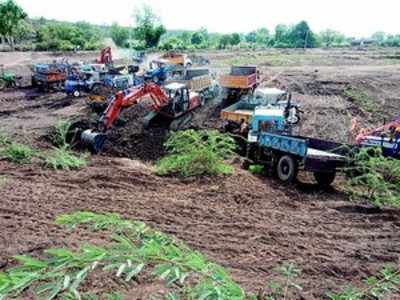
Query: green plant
x=196, y=153
x=374, y=177
x=63, y=158
x=361, y=99
x=61, y=132
x=17, y=153
x=285, y=287
x=133, y=248
x=257, y=169
x=387, y=282
x=4, y=139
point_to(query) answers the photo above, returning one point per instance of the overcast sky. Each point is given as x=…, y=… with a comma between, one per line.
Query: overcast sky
x=352, y=17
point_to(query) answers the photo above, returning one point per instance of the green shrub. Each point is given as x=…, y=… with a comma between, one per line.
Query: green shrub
x=17, y=153
x=63, y=158
x=4, y=139
x=257, y=169
x=375, y=178
x=196, y=153
x=61, y=131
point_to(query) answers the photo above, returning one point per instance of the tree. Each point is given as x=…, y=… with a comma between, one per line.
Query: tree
x=262, y=36
x=197, y=38
x=281, y=36
x=332, y=38
x=379, y=38
x=119, y=35
x=148, y=26
x=10, y=17
x=224, y=41
x=301, y=36
x=235, y=39
x=251, y=37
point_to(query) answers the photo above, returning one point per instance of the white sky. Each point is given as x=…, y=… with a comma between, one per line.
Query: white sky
x=352, y=17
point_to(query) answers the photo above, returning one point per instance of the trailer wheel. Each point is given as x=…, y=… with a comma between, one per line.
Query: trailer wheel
x=287, y=169
x=76, y=93
x=324, y=179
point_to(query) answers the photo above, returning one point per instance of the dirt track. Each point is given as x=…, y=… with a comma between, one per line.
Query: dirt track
x=248, y=224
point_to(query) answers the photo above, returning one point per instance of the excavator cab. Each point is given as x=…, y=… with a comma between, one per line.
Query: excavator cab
x=180, y=97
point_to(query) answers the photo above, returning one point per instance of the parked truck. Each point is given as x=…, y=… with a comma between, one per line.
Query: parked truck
x=271, y=143
x=173, y=58
x=240, y=81
x=199, y=80
x=48, y=76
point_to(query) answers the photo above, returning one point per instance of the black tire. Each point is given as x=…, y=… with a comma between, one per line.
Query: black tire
x=3, y=84
x=287, y=169
x=324, y=179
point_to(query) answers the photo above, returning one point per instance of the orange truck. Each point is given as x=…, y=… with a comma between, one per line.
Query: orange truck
x=240, y=81
x=173, y=58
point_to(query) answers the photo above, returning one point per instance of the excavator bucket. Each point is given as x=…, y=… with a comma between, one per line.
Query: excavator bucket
x=94, y=141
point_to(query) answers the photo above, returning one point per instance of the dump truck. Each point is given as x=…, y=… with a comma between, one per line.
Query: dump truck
x=173, y=58
x=199, y=80
x=240, y=81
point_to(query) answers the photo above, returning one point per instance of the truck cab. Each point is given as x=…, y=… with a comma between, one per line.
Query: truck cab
x=158, y=71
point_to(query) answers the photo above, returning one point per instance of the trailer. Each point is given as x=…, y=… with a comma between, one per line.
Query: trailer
x=48, y=76
x=174, y=58
x=198, y=80
x=240, y=81
x=271, y=143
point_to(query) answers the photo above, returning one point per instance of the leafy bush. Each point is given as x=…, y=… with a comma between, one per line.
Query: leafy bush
x=63, y=158
x=196, y=153
x=133, y=248
x=387, y=282
x=375, y=178
x=17, y=153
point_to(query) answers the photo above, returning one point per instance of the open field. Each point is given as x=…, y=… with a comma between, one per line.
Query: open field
x=249, y=224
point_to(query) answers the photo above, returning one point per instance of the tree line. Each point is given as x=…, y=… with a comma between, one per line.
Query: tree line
x=22, y=33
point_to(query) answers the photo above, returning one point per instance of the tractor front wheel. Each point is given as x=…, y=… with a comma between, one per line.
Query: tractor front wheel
x=287, y=169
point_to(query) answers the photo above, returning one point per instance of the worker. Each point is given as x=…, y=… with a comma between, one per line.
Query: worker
x=244, y=128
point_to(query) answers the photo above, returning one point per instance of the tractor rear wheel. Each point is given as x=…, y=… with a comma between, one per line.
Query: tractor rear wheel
x=3, y=84
x=287, y=169
x=324, y=179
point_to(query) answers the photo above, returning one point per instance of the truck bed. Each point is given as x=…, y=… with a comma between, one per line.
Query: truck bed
x=238, y=111
x=318, y=155
x=240, y=77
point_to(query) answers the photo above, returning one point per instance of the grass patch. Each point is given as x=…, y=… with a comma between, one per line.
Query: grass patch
x=17, y=153
x=361, y=99
x=197, y=153
x=63, y=158
x=4, y=139
x=374, y=178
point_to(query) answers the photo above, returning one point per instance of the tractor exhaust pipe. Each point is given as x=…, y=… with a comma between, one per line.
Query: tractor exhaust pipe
x=93, y=140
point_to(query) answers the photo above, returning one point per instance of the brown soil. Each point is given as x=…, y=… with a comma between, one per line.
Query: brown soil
x=247, y=223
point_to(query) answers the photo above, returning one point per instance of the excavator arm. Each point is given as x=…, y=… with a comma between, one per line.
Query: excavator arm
x=364, y=133
x=131, y=97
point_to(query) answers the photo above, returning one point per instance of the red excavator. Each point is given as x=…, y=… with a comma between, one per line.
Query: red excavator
x=105, y=56
x=387, y=137
x=171, y=105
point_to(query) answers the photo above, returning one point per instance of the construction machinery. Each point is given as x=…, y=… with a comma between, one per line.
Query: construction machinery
x=8, y=79
x=240, y=81
x=50, y=76
x=106, y=56
x=240, y=113
x=171, y=106
x=271, y=143
x=200, y=81
x=387, y=137
x=173, y=58
x=158, y=71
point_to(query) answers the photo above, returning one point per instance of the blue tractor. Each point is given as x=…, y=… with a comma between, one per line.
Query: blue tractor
x=158, y=72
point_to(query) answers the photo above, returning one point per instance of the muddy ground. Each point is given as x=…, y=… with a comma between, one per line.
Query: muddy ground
x=249, y=224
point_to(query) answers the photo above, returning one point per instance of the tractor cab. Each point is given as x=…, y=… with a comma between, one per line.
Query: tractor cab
x=181, y=98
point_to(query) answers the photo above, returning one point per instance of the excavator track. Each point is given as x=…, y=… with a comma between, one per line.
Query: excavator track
x=182, y=122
